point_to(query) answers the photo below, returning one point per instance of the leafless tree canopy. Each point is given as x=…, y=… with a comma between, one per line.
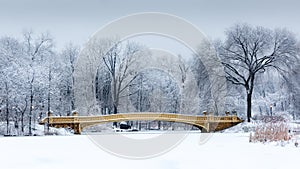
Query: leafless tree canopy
x=250, y=50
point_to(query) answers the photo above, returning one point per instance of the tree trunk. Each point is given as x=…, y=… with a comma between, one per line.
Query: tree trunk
x=22, y=122
x=115, y=109
x=249, y=101
x=30, y=110
x=49, y=89
x=159, y=125
x=7, y=110
x=115, y=112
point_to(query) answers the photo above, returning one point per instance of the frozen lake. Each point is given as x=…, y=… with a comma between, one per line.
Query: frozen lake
x=232, y=151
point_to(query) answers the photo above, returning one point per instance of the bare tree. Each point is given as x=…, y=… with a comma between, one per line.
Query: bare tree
x=68, y=56
x=183, y=71
x=35, y=50
x=10, y=68
x=119, y=61
x=212, y=88
x=248, y=51
x=292, y=81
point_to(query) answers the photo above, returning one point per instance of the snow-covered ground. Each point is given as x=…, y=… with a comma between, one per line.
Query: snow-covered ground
x=223, y=150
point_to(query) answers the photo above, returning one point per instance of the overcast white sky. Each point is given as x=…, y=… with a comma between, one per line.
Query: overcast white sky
x=69, y=20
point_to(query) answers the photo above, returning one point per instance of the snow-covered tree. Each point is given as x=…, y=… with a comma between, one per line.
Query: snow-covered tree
x=120, y=61
x=12, y=90
x=62, y=88
x=249, y=51
x=36, y=49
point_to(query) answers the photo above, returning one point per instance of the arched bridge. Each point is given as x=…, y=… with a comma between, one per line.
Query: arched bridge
x=206, y=123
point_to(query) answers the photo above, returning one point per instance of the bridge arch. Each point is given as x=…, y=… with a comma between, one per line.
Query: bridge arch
x=201, y=127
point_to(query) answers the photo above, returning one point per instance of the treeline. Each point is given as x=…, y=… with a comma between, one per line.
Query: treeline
x=35, y=79
x=260, y=66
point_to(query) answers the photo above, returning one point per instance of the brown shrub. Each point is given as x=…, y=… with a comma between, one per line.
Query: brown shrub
x=271, y=128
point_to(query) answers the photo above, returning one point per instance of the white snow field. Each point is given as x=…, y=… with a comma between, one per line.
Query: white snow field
x=222, y=151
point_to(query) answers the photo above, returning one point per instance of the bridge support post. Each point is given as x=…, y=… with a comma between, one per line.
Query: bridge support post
x=77, y=128
x=203, y=130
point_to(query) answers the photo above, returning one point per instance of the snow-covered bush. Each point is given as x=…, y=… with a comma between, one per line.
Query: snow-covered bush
x=59, y=131
x=271, y=128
